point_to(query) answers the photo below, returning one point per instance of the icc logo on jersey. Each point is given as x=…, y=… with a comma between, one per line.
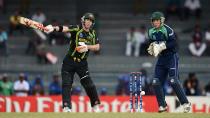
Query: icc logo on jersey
x=80, y=35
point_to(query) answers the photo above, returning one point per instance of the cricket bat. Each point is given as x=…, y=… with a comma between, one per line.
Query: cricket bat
x=32, y=24
x=51, y=58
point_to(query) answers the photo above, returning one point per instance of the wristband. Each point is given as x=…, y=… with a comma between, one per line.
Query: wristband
x=60, y=28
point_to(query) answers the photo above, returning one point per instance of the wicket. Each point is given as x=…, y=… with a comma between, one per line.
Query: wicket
x=134, y=90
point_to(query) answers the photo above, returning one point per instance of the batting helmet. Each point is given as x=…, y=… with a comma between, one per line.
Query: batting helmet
x=88, y=16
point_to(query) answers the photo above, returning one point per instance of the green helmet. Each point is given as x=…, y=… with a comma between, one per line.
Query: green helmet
x=158, y=15
x=88, y=16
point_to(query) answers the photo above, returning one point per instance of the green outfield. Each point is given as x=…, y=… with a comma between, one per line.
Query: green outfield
x=103, y=115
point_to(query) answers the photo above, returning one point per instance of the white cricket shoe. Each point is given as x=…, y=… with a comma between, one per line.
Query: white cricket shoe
x=162, y=109
x=96, y=108
x=66, y=109
x=187, y=107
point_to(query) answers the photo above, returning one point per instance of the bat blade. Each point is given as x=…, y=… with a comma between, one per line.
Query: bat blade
x=32, y=24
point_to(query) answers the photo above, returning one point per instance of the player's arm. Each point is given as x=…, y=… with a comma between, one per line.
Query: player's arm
x=84, y=48
x=62, y=28
x=95, y=47
x=96, y=43
x=67, y=28
x=171, y=42
x=151, y=42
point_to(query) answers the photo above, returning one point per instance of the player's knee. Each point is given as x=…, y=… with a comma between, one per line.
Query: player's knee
x=87, y=82
x=172, y=81
x=155, y=82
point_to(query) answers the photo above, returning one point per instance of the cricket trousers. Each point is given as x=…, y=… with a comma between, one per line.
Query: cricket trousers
x=70, y=66
x=166, y=69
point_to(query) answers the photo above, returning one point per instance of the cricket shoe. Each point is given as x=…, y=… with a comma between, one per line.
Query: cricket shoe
x=187, y=107
x=66, y=109
x=96, y=108
x=162, y=109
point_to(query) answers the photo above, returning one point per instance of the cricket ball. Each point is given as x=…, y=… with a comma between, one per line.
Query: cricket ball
x=142, y=92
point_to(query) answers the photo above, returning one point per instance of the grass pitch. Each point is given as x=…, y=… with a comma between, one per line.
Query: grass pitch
x=104, y=115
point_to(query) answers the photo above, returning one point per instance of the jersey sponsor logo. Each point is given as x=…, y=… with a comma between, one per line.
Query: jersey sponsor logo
x=84, y=40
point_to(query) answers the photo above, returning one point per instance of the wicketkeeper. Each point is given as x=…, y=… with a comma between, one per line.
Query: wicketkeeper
x=83, y=39
x=164, y=46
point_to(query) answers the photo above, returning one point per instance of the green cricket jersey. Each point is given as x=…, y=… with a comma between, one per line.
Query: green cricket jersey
x=79, y=35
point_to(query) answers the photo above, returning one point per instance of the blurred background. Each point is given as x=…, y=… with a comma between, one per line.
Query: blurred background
x=25, y=52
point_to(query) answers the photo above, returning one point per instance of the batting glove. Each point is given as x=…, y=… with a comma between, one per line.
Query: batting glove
x=51, y=29
x=82, y=47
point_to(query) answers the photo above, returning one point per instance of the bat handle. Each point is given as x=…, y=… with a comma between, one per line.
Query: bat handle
x=42, y=27
x=45, y=29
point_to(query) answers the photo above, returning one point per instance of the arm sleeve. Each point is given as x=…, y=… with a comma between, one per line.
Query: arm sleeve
x=73, y=28
x=171, y=42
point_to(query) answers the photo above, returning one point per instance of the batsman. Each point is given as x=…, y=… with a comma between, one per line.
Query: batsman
x=83, y=39
x=163, y=45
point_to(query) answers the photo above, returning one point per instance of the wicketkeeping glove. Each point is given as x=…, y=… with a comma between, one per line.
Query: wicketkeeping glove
x=82, y=47
x=158, y=48
x=150, y=49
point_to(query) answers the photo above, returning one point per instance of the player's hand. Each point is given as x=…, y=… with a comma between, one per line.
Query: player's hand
x=158, y=48
x=28, y=22
x=51, y=29
x=150, y=49
x=39, y=26
x=82, y=47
